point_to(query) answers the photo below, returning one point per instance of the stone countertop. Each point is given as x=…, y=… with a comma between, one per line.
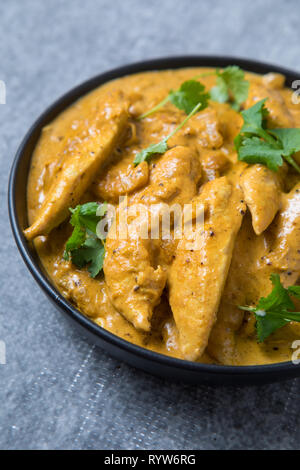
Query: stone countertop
x=57, y=390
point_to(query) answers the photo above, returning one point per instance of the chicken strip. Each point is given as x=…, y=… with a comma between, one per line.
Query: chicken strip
x=285, y=233
x=262, y=195
x=206, y=127
x=134, y=277
x=121, y=180
x=79, y=168
x=242, y=287
x=274, y=251
x=197, y=277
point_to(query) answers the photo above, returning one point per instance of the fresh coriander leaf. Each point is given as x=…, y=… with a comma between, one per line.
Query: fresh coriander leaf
x=266, y=325
x=278, y=299
x=153, y=149
x=92, y=251
x=289, y=138
x=189, y=95
x=97, y=262
x=88, y=215
x=83, y=246
x=231, y=86
x=295, y=291
x=255, y=150
x=272, y=321
x=219, y=92
x=290, y=143
x=239, y=90
x=255, y=118
x=273, y=312
x=89, y=209
x=256, y=144
x=75, y=241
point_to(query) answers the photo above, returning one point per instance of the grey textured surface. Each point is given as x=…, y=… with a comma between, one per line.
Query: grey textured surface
x=57, y=390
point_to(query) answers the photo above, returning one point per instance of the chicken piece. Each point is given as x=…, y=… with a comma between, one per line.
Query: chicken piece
x=119, y=181
x=222, y=340
x=273, y=80
x=242, y=287
x=134, y=282
x=205, y=125
x=279, y=115
x=276, y=250
x=134, y=278
x=173, y=178
x=78, y=170
x=197, y=276
x=285, y=233
x=213, y=163
x=262, y=195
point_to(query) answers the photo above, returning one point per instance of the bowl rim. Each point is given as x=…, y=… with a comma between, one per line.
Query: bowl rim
x=68, y=98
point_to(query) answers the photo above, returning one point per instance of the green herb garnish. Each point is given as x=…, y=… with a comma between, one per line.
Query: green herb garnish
x=153, y=149
x=185, y=98
x=84, y=247
x=162, y=146
x=257, y=144
x=276, y=310
x=231, y=87
x=92, y=251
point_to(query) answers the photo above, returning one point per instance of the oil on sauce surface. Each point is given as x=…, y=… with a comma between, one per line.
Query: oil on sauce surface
x=248, y=277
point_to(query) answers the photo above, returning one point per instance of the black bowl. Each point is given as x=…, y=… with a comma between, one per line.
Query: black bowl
x=141, y=358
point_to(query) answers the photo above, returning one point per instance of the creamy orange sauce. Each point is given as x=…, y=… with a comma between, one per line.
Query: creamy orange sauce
x=267, y=242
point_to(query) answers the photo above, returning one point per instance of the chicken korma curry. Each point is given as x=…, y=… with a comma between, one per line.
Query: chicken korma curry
x=222, y=142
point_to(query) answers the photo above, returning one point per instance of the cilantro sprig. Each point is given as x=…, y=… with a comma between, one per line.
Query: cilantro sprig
x=84, y=247
x=257, y=144
x=188, y=95
x=162, y=146
x=231, y=87
x=275, y=310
